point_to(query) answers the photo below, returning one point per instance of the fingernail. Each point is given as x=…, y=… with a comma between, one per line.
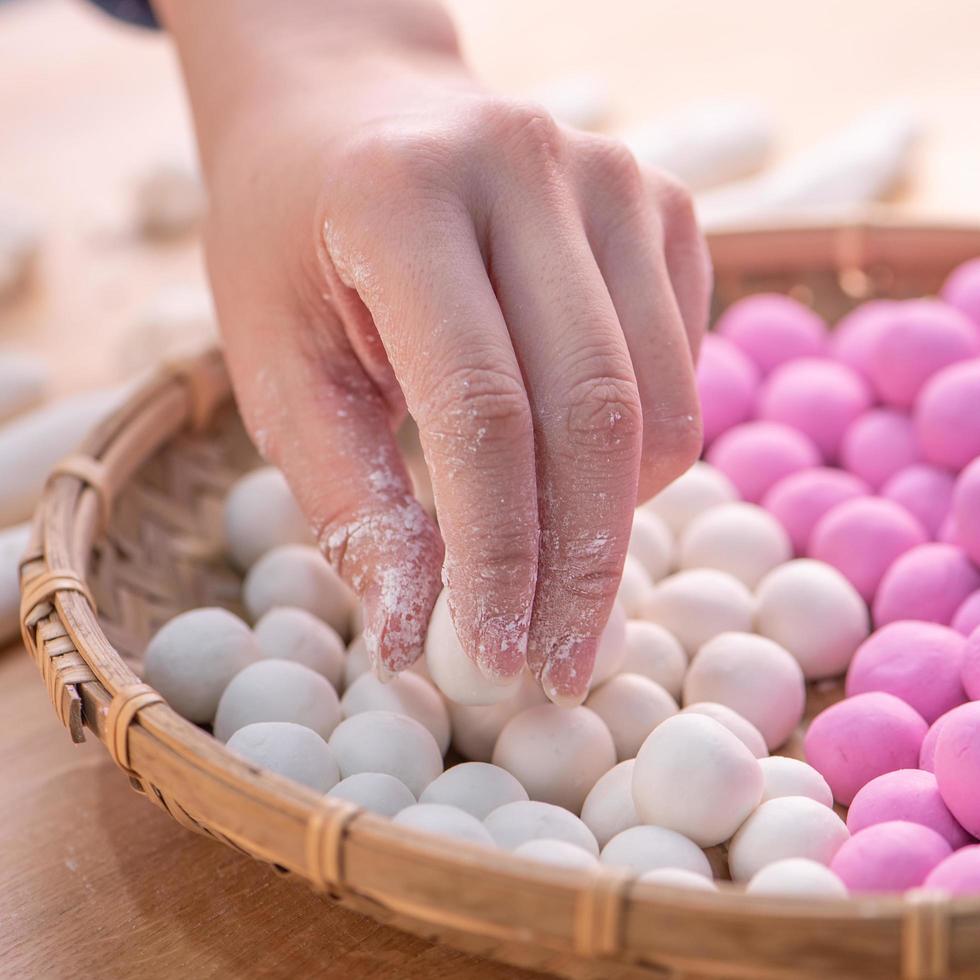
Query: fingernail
x=392, y=637
x=567, y=671
x=502, y=648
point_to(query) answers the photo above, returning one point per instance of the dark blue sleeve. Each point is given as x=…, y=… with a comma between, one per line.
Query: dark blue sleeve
x=132, y=11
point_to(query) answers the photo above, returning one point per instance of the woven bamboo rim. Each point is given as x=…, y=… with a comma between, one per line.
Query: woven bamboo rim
x=124, y=538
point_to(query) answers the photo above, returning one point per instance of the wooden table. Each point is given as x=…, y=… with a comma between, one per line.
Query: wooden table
x=96, y=881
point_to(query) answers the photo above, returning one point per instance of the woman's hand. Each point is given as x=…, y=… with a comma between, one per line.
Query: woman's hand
x=385, y=234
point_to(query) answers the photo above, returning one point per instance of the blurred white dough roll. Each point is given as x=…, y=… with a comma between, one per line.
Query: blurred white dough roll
x=609, y=808
x=444, y=821
x=288, y=633
x=512, y=824
x=476, y=787
x=739, y=538
x=652, y=543
x=632, y=706
x=699, y=489
x=13, y=544
x=290, y=750
x=654, y=652
x=581, y=100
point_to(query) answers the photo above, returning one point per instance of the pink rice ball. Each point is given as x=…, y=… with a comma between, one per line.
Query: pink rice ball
x=947, y=533
x=947, y=423
x=925, y=491
x=961, y=289
x=853, y=340
x=923, y=337
x=878, y=445
x=727, y=384
x=816, y=396
x=773, y=329
x=859, y=738
x=927, y=753
x=889, y=857
x=917, y=662
x=928, y=583
x=799, y=500
x=959, y=874
x=970, y=670
x=967, y=617
x=966, y=507
x=905, y=794
x=862, y=537
x=958, y=765
x=756, y=455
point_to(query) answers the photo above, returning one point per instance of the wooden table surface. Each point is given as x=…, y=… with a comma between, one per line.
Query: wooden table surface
x=95, y=881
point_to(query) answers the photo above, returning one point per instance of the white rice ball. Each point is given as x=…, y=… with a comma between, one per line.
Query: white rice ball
x=193, y=657
x=654, y=652
x=446, y=821
x=378, y=792
x=809, y=608
x=739, y=538
x=652, y=544
x=559, y=852
x=513, y=824
x=260, y=514
x=298, y=575
x=693, y=776
x=407, y=694
x=700, y=603
x=556, y=754
x=647, y=848
x=740, y=727
x=678, y=878
x=791, y=777
x=796, y=877
x=381, y=741
x=293, y=751
x=631, y=706
x=277, y=690
x=612, y=646
x=635, y=587
x=787, y=827
x=476, y=787
x=609, y=807
x=288, y=633
x=358, y=662
x=754, y=676
x=699, y=489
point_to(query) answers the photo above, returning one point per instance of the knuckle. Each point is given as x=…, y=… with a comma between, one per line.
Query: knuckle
x=530, y=134
x=674, y=444
x=676, y=204
x=605, y=416
x=615, y=165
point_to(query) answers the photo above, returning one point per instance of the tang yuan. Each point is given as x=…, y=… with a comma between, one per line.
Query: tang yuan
x=290, y=750
x=889, y=857
x=609, y=807
x=445, y=821
x=654, y=652
x=652, y=543
x=285, y=633
x=378, y=792
x=946, y=420
x=476, y=787
x=878, y=445
x=512, y=824
x=727, y=382
x=647, y=848
x=791, y=777
x=796, y=877
x=631, y=706
x=559, y=852
x=699, y=489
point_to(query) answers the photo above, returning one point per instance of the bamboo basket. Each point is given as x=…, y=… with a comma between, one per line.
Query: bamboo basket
x=126, y=536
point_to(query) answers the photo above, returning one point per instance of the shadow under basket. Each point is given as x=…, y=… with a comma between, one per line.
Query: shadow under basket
x=127, y=535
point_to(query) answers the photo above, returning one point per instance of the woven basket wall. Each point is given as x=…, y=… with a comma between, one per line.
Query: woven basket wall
x=128, y=534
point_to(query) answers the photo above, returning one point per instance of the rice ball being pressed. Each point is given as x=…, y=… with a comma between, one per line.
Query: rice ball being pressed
x=810, y=609
x=378, y=792
x=861, y=737
x=727, y=382
x=407, y=694
x=556, y=754
x=647, y=848
x=925, y=491
x=916, y=661
x=786, y=827
x=631, y=706
x=796, y=877
x=277, y=690
x=698, y=604
x=559, y=852
x=298, y=575
x=699, y=489
x=652, y=543
x=722, y=780
x=755, y=456
x=799, y=500
x=959, y=874
x=635, y=587
x=961, y=290
x=451, y=670
x=612, y=646
x=905, y=794
x=861, y=538
x=609, y=807
x=445, y=821
x=654, y=652
x=853, y=340
x=957, y=764
x=740, y=539
x=513, y=824
x=928, y=583
x=819, y=397
x=772, y=329
x=791, y=777
x=260, y=514
x=946, y=422
x=889, y=857
x=192, y=659
x=287, y=633
x=755, y=677
x=291, y=750
x=740, y=727
x=381, y=741
x=678, y=878
x=476, y=787
x=879, y=444
x=966, y=510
